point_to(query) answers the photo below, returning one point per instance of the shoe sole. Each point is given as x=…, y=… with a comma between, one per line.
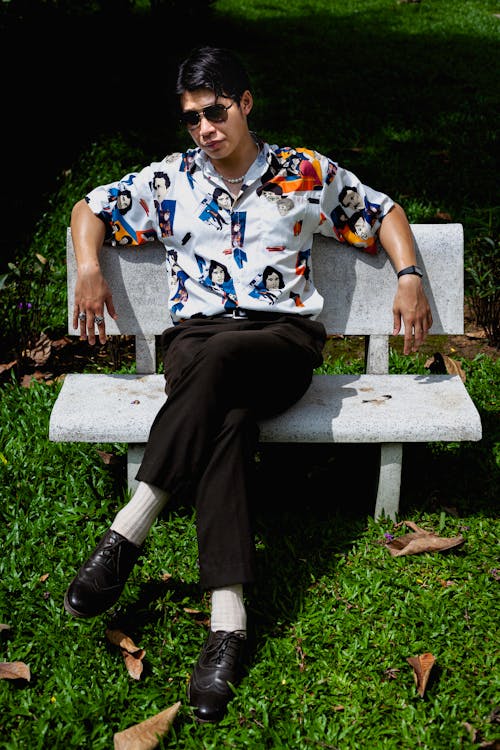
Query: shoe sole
x=197, y=718
x=75, y=612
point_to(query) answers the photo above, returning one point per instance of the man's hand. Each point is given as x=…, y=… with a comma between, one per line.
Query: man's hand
x=411, y=307
x=92, y=294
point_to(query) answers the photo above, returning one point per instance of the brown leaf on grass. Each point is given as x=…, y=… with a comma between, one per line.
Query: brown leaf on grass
x=14, y=670
x=119, y=638
x=198, y=616
x=7, y=365
x=422, y=666
x=60, y=343
x=420, y=541
x=3, y=626
x=41, y=351
x=108, y=458
x=147, y=734
x=133, y=663
x=132, y=654
x=441, y=364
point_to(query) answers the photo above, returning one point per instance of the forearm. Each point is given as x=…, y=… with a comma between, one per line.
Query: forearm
x=397, y=240
x=87, y=232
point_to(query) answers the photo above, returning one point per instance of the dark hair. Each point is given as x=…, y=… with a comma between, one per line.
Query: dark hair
x=213, y=68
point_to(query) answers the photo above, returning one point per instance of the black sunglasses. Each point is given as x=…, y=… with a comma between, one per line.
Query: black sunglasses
x=214, y=113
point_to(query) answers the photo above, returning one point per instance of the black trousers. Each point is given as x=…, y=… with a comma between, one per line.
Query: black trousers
x=221, y=375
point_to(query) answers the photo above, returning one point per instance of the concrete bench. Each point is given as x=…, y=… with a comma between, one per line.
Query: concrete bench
x=371, y=408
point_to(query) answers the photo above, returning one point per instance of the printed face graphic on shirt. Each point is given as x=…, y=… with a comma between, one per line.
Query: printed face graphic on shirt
x=272, y=280
x=161, y=183
x=267, y=285
x=359, y=225
x=215, y=208
x=284, y=205
x=123, y=201
x=350, y=198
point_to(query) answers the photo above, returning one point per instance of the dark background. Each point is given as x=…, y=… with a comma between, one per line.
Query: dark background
x=413, y=115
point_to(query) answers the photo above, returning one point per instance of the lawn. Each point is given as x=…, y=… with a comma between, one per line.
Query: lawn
x=405, y=95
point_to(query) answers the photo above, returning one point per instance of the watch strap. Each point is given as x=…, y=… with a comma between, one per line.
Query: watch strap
x=414, y=270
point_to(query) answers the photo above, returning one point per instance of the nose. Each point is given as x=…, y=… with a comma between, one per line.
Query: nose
x=205, y=125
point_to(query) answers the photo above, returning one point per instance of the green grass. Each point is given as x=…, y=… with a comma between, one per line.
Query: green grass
x=404, y=95
x=333, y=617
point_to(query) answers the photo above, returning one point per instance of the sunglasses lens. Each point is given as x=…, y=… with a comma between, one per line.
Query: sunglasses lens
x=215, y=113
x=190, y=118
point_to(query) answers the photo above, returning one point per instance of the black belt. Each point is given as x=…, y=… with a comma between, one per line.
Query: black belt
x=239, y=313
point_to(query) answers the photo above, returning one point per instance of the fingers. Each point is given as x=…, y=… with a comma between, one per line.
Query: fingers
x=416, y=335
x=87, y=323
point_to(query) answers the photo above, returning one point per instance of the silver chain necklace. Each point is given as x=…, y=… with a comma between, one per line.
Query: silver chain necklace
x=234, y=180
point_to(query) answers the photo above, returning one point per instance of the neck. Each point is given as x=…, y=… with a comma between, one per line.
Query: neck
x=233, y=170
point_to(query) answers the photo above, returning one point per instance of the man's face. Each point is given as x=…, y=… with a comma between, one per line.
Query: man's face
x=219, y=140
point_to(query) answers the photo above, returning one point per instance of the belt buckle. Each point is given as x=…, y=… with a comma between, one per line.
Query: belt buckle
x=238, y=313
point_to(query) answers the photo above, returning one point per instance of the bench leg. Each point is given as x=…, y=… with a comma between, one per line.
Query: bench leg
x=135, y=454
x=389, y=482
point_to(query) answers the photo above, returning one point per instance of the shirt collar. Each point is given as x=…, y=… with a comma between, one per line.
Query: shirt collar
x=264, y=159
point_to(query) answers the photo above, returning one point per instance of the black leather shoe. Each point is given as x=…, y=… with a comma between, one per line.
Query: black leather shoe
x=219, y=668
x=100, y=581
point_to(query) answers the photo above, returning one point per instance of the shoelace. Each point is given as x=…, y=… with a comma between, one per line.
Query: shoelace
x=108, y=554
x=226, y=646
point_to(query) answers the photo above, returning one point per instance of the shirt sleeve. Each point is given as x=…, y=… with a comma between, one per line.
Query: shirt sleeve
x=351, y=211
x=127, y=208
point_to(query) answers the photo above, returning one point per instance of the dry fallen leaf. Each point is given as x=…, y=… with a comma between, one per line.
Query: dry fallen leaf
x=7, y=365
x=132, y=654
x=60, y=343
x=133, y=663
x=14, y=670
x=422, y=666
x=108, y=458
x=420, y=541
x=119, y=638
x=147, y=734
x=41, y=351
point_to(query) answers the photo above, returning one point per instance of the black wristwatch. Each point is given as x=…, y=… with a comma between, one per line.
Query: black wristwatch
x=415, y=270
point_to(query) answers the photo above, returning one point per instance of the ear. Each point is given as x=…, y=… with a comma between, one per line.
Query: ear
x=246, y=102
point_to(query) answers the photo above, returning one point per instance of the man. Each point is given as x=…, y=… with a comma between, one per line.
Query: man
x=236, y=351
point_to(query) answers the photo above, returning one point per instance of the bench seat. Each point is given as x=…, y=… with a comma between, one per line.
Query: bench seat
x=337, y=408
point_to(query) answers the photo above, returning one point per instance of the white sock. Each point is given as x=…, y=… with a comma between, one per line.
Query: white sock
x=228, y=610
x=135, y=519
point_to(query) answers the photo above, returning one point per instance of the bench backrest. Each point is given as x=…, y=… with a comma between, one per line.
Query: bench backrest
x=358, y=290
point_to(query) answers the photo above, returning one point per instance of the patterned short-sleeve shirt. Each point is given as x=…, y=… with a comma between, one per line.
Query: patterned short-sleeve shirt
x=252, y=251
